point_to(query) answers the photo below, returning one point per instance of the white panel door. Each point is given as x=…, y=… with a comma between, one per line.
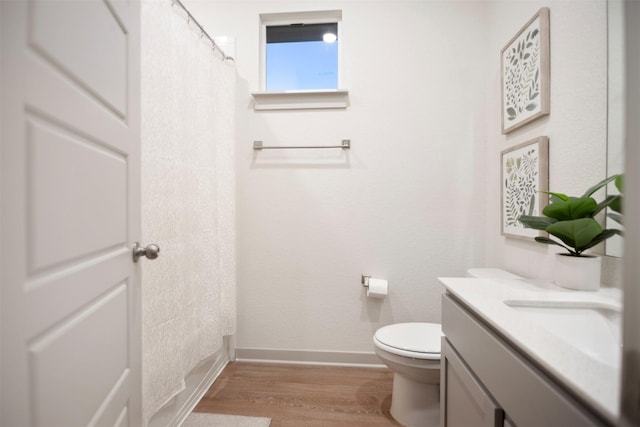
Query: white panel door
x=70, y=203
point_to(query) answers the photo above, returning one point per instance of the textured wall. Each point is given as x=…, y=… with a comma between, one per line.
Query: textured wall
x=406, y=203
x=418, y=196
x=188, y=201
x=576, y=127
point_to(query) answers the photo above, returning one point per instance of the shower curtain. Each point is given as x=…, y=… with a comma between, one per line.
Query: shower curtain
x=188, y=293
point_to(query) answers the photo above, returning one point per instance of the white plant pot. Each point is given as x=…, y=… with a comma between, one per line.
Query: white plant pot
x=579, y=273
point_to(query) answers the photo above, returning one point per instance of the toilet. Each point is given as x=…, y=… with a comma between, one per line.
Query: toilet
x=412, y=351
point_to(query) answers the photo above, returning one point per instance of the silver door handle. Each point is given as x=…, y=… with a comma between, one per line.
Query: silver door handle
x=151, y=251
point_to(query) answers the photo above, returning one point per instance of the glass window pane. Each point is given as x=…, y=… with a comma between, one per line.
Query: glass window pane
x=302, y=66
x=297, y=58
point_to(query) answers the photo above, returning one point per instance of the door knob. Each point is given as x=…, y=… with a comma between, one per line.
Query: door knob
x=151, y=251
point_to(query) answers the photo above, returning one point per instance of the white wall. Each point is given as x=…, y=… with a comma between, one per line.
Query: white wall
x=417, y=197
x=576, y=126
x=399, y=205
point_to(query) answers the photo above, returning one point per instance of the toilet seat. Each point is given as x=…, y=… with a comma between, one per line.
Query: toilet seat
x=417, y=340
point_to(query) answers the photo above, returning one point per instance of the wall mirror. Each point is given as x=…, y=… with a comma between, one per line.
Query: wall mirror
x=615, y=108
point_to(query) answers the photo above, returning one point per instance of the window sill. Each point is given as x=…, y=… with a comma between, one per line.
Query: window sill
x=301, y=100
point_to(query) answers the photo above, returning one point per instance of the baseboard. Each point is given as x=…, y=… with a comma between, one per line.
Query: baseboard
x=196, y=385
x=308, y=357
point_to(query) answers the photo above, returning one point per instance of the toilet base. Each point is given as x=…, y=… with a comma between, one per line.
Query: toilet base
x=415, y=404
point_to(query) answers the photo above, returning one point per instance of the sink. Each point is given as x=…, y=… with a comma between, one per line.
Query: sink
x=592, y=327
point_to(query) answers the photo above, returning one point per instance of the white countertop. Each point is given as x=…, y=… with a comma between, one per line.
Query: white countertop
x=595, y=381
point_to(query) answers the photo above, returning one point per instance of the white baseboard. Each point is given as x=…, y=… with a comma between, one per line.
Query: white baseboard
x=308, y=357
x=196, y=385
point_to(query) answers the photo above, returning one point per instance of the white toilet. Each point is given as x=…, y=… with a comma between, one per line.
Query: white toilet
x=412, y=352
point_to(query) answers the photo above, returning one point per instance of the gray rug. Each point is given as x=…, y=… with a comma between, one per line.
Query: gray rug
x=198, y=419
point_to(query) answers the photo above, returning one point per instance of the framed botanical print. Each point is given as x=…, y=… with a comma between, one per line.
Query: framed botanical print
x=525, y=74
x=525, y=171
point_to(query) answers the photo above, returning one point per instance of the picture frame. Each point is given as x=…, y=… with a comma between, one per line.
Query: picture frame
x=524, y=172
x=525, y=68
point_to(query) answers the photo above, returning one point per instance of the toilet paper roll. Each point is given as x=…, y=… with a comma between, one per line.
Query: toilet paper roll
x=378, y=288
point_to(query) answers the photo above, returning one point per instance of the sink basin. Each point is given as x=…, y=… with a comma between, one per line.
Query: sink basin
x=592, y=327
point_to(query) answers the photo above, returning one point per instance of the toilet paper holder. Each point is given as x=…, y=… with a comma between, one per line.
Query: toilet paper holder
x=364, y=279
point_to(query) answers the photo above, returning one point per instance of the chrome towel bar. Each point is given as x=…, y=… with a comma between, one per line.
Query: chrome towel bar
x=345, y=145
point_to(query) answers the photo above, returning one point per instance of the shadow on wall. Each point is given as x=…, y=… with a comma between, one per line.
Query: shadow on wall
x=330, y=158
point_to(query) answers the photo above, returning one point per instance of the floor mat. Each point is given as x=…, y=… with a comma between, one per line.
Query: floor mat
x=200, y=419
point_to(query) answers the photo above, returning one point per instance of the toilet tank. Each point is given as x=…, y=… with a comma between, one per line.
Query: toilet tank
x=491, y=273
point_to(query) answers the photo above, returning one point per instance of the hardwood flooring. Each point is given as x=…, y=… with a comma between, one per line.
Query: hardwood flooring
x=303, y=396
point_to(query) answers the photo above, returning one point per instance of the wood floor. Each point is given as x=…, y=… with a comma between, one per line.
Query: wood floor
x=303, y=396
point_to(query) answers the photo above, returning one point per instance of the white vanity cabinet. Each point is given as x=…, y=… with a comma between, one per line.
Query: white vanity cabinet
x=486, y=381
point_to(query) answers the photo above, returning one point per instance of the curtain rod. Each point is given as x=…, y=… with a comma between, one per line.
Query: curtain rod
x=215, y=46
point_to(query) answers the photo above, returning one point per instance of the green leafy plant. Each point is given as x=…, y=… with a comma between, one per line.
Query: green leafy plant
x=571, y=219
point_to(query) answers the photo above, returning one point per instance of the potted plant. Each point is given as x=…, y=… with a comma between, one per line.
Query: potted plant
x=572, y=221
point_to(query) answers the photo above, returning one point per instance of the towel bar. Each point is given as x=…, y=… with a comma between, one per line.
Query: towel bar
x=345, y=145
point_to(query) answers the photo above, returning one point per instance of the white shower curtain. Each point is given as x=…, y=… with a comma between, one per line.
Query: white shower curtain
x=188, y=293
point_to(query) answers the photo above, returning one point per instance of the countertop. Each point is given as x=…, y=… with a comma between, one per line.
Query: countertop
x=595, y=381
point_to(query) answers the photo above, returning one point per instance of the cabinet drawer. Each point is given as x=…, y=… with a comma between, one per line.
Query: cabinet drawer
x=527, y=394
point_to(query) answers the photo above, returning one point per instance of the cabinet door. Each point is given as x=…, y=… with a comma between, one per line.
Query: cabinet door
x=463, y=400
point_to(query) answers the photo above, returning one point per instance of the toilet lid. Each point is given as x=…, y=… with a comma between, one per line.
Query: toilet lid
x=415, y=337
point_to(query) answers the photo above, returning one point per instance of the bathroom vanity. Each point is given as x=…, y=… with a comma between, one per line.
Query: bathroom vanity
x=528, y=353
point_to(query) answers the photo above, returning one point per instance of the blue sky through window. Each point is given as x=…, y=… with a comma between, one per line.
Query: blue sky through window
x=302, y=65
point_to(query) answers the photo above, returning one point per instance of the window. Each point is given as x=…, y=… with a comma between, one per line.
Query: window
x=300, y=61
x=302, y=57
x=301, y=51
